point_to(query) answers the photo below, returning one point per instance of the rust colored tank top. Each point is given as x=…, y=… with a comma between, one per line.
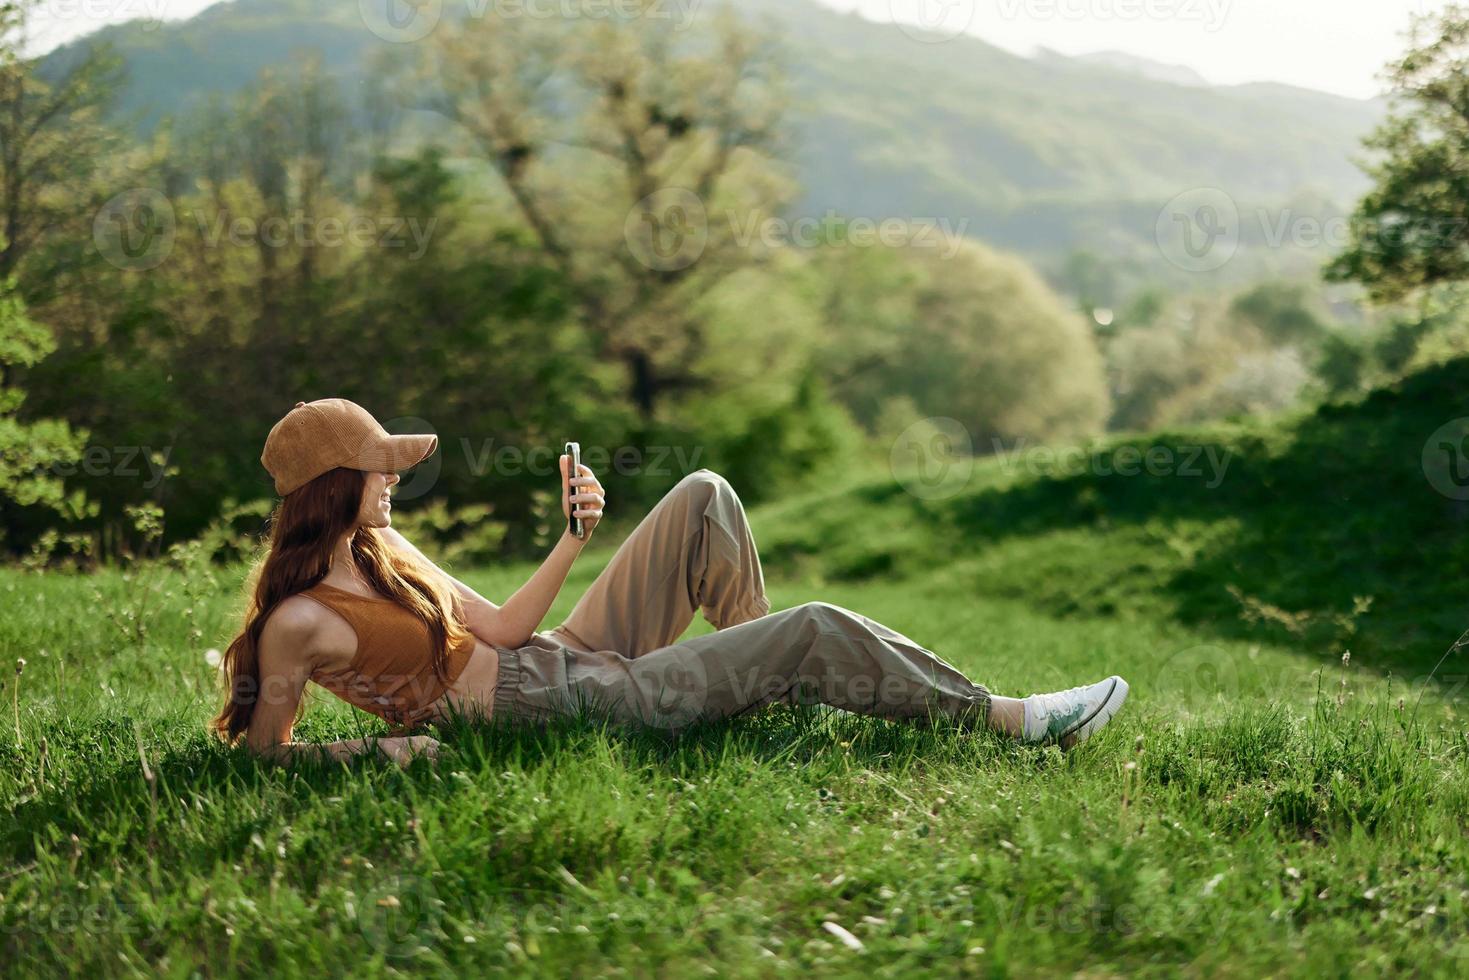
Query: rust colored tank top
x=392, y=674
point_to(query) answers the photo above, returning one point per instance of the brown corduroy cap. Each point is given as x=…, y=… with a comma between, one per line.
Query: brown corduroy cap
x=316, y=437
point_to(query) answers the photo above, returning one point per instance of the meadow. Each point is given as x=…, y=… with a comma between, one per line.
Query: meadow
x=1241, y=482
x=1262, y=805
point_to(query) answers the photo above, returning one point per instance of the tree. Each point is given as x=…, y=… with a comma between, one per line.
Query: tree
x=1207, y=357
x=32, y=454
x=623, y=147
x=1284, y=313
x=974, y=335
x=51, y=137
x=1411, y=231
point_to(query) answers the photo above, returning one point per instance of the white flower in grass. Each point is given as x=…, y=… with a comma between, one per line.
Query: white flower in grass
x=213, y=657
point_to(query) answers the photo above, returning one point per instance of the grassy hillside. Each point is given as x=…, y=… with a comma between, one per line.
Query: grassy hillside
x=1256, y=809
x=1324, y=530
x=1247, y=814
x=1242, y=826
x=1038, y=155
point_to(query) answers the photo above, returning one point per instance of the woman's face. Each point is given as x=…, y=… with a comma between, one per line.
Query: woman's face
x=376, y=509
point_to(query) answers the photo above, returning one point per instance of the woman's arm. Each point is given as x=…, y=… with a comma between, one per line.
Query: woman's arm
x=512, y=624
x=285, y=665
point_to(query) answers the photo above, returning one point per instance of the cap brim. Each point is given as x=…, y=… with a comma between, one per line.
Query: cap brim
x=394, y=453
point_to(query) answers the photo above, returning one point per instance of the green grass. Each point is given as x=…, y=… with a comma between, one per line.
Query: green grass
x=1258, y=808
x=1341, y=529
x=1264, y=828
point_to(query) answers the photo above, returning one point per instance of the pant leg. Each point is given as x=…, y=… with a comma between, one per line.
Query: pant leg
x=694, y=550
x=816, y=651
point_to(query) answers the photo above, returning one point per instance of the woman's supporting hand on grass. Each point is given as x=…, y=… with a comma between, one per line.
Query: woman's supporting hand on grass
x=404, y=749
x=400, y=749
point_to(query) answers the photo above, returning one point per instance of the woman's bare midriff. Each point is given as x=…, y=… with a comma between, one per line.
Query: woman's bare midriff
x=473, y=691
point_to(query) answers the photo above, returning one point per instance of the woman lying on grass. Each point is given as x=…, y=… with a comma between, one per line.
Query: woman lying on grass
x=345, y=601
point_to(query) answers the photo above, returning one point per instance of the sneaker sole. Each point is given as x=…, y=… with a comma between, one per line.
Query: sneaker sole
x=1091, y=724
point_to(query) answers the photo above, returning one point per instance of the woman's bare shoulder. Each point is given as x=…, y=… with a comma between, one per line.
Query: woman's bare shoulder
x=302, y=626
x=295, y=624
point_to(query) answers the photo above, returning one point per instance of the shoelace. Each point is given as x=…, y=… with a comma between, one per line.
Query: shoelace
x=1055, y=699
x=1062, y=709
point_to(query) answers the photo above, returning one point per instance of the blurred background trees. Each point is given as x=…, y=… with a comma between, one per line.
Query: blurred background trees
x=524, y=230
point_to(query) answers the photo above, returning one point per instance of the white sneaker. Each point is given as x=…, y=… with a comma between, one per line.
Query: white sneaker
x=1068, y=718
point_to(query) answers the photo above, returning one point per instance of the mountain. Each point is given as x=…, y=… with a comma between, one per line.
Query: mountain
x=1133, y=65
x=1045, y=155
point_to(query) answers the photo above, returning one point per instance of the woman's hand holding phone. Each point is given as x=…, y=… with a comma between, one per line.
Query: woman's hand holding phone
x=582, y=496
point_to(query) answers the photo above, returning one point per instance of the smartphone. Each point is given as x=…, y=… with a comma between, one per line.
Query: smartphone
x=573, y=523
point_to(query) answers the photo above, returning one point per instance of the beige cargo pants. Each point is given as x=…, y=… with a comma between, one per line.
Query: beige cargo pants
x=616, y=652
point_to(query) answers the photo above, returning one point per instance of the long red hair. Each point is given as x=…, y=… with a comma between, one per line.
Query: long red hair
x=304, y=529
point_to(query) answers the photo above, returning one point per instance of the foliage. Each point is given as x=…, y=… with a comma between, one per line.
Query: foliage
x=451, y=315
x=33, y=454
x=1346, y=520
x=960, y=331
x=1036, y=155
x=1248, y=812
x=453, y=537
x=1189, y=359
x=54, y=143
x=1408, y=231
x=665, y=140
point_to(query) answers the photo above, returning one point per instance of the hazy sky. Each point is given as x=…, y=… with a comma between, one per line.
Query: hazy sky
x=1333, y=45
